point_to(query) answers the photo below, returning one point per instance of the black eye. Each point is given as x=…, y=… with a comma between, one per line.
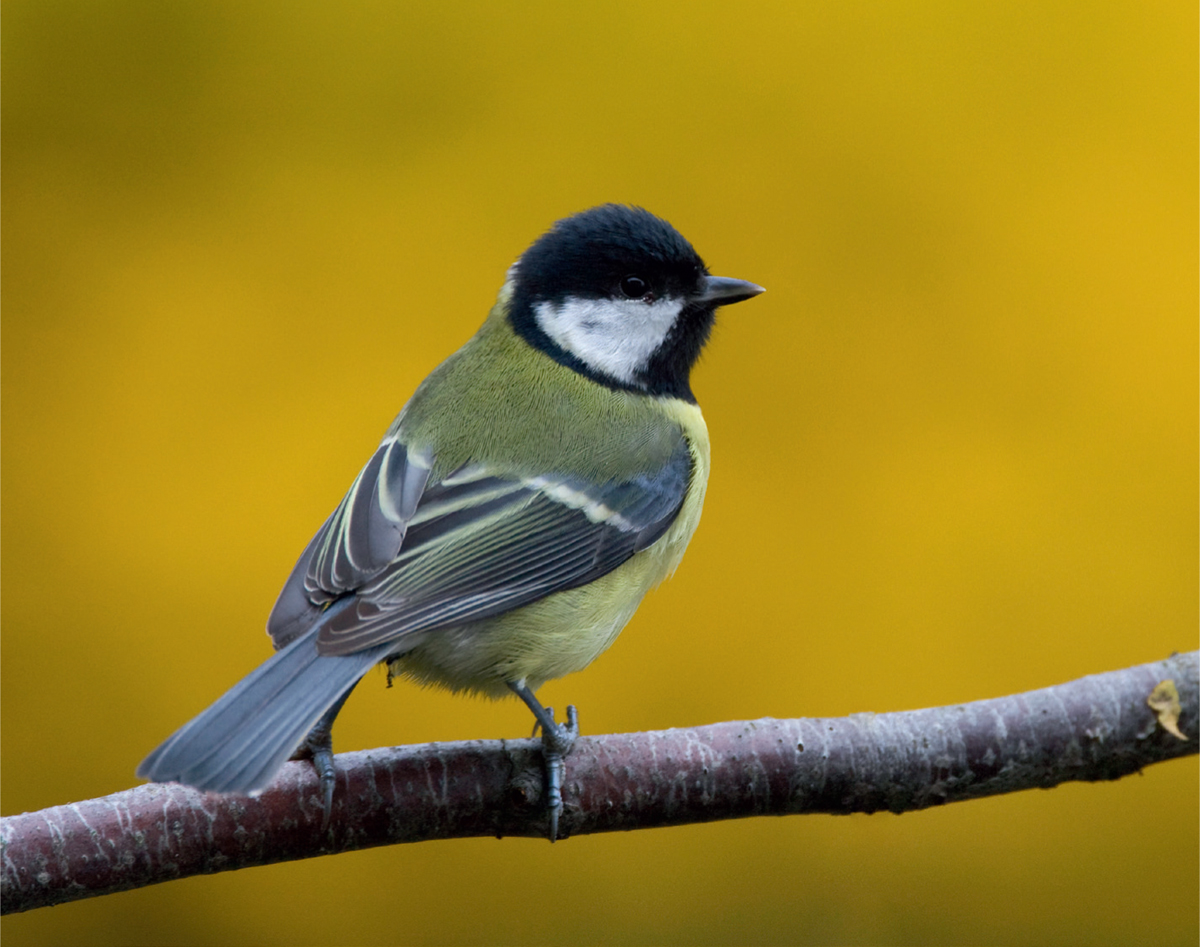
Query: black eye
x=634, y=287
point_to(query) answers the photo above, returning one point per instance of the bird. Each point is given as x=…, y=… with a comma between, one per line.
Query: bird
x=535, y=487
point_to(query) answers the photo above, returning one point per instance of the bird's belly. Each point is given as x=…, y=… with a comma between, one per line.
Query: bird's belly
x=544, y=640
x=549, y=638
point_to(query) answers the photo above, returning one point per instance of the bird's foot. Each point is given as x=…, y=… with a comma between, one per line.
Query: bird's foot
x=318, y=746
x=558, y=739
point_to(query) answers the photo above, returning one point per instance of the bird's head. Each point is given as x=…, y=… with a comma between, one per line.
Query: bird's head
x=619, y=295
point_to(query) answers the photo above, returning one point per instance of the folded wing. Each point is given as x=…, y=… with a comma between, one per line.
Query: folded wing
x=416, y=556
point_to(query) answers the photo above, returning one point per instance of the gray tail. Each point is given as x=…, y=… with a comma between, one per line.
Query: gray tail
x=240, y=742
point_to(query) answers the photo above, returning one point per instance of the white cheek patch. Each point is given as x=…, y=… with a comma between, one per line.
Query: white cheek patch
x=613, y=336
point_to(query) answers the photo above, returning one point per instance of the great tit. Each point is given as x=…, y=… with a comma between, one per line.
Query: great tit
x=538, y=483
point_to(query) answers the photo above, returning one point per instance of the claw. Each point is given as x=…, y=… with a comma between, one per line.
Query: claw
x=318, y=746
x=557, y=743
x=558, y=739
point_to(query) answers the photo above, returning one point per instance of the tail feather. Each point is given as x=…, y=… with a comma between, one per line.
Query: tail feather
x=240, y=742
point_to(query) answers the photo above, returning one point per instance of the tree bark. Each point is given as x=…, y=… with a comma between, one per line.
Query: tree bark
x=1096, y=728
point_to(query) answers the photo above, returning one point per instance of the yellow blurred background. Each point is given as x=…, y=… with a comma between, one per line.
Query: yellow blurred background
x=955, y=445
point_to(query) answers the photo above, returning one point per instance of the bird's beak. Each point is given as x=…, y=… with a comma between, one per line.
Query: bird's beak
x=722, y=291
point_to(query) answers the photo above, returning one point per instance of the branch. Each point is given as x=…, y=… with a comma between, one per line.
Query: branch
x=1095, y=728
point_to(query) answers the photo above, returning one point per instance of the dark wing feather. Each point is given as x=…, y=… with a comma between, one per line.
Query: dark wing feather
x=366, y=530
x=479, y=545
x=356, y=543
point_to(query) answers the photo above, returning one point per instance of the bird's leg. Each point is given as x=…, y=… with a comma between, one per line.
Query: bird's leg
x=557, y=741
x=318, y=746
